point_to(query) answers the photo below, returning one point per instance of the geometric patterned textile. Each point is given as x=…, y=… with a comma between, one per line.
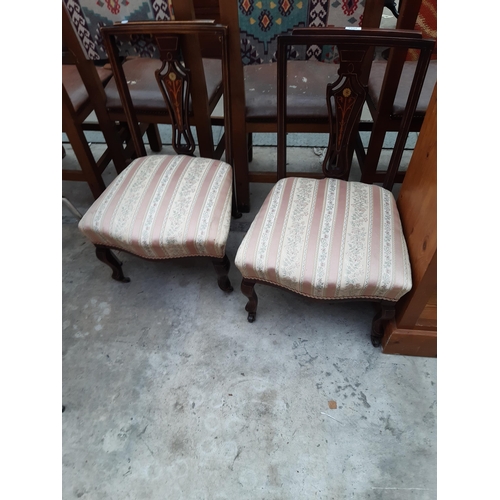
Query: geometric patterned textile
x=427, y=24
x=163, y=207
x=328, y=239
x=261, y=21
x=88, y=16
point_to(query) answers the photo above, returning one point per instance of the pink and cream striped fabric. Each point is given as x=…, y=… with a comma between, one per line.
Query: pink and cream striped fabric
x=328, y=239
x=163, y=207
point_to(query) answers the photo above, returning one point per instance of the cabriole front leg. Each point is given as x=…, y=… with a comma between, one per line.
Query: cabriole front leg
x=105, y=255
x=247, y=288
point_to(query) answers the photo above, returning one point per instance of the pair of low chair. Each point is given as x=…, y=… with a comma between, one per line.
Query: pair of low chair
x=328, y=239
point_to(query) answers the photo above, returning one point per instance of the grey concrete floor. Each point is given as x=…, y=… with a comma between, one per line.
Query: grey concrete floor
x=171, y=394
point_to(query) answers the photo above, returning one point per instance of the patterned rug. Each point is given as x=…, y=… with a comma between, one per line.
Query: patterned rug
x=89, y=15
x=427, y=24
x=261, y=21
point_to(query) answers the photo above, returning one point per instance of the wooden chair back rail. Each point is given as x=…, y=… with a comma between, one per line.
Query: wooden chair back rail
x=174, y=30
x=349, y=94
x=169, y=36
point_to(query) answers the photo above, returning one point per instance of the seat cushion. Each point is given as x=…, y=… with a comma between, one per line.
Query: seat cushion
x=377, y=78
x=162, y=207
x=328, y=239
x=306, y=94
x=144, y=90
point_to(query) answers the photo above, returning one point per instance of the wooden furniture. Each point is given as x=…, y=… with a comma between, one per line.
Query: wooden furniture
x=413, y=332
x=164, y=206
x=388, y=90
x=254, y=71
x=83, y=93
x=331, y=239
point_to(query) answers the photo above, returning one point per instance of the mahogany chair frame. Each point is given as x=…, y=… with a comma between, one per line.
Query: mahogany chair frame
x=348, y=96
x=73, y=120
x=243, y=127
x=169, y=37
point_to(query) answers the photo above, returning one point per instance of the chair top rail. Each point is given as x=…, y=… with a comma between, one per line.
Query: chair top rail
x=163, y=27
x=349, y=93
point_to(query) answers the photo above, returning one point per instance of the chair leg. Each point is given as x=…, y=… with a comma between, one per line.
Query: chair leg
x=154, y=137
x=105, y=255
x=250, y=147
x=222, y=269
x=386, y=312
x=247, y=288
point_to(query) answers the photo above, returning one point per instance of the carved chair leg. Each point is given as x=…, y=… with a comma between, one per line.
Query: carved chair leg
x=250, y=147
x=222, y=269
x=105, y=255
x=387, y=311
x=247, y=288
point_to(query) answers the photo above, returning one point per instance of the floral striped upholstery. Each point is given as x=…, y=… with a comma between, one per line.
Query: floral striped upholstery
x=163, y=207
x=328, y=239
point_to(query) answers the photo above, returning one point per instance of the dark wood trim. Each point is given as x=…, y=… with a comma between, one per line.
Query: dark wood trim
x=409, y=341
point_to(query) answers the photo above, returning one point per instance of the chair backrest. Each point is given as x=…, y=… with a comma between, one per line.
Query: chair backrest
x=345, y=97
x=180, y=76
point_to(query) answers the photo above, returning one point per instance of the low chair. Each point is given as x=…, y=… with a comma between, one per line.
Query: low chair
x=329, y=238
x=166, y=206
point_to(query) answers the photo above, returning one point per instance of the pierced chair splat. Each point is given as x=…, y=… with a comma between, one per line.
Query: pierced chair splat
x=167, y=206
x=328, y=238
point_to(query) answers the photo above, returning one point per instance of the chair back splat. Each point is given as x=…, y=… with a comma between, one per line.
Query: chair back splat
x=346, y=96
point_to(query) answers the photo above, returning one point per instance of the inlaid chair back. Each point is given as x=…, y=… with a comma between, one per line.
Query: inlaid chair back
x=187, y=97
x=329, y=238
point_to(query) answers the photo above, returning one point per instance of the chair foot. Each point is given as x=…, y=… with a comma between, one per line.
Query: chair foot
x=222, y=269
x=387, y=311
x=105, y=255
x=248, y=290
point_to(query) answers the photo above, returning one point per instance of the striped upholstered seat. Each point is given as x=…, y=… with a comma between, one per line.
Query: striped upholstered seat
x=162, y=207
x=328, y=239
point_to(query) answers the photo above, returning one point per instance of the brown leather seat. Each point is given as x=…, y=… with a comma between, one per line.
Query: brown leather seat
x=144, y=90
x=74, y=86
x=306, y=91
x=377, y=77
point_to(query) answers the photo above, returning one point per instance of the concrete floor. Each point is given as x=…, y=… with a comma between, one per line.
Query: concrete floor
x=171, y=393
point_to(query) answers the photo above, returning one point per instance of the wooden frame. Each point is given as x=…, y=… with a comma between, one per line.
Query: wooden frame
x=413, y=331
